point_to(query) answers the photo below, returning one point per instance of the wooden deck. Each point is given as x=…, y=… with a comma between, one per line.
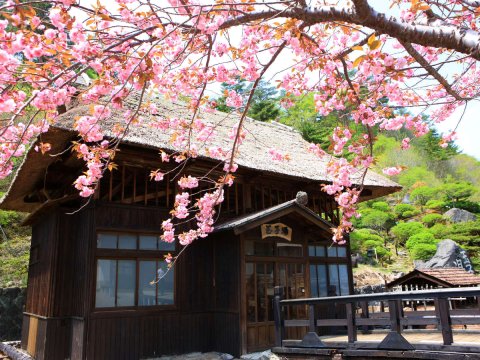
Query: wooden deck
x=468, y=338
x=393, y=333
x=428, y=345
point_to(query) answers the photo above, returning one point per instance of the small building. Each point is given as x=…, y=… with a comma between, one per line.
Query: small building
x=431, y=278
x=90, y=293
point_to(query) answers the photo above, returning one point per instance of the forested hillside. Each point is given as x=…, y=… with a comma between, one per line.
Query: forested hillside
x=407, y=225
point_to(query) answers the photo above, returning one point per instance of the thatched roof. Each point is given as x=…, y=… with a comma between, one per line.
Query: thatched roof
x=260, y=137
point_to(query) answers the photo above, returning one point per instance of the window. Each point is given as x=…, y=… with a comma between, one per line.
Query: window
x=134, y=274
x=327, y=251
x=328, y=275
x=335, y=283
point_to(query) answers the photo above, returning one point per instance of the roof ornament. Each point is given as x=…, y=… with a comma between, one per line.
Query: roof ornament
x=302, y=198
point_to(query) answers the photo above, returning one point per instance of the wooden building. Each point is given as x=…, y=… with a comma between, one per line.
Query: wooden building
x=89, y=293
x=422, y=279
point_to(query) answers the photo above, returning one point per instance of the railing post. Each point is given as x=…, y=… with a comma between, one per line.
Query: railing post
x=394, y=339
x=277, y=315
x=394, y=316
x=351, y=325
x=312, y=327
x=311, y=338
x=445, y=321
x=366, y=315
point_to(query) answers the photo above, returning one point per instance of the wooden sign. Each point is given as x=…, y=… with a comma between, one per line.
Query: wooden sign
x=277, y=230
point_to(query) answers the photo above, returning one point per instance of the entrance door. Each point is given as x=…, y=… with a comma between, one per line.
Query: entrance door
x=261, y=278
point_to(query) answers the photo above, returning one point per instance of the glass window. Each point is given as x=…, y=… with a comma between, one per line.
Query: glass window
x=126, y=283
x=342, y=251
x=133, y=278
x=146, y=290
x=148, y=242
x=318, y=280
x=107, y=241
x=127, y=241
x=165, y=246
x=332, y=251
x=316, y=250
x=334, y=286
x=106, y=278
x=320, y=251
x=344, y=283
x=165, y=284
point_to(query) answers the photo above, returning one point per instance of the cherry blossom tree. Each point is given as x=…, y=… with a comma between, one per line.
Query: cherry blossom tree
x=353, y=56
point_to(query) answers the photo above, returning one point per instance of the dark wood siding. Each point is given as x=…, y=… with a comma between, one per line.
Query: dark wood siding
x=42, y=257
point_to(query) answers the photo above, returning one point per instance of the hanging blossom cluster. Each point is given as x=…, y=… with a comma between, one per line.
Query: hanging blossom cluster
x=134, y=51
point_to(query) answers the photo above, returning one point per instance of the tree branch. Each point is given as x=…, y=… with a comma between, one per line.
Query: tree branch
x=431, y=70
x=432, y=34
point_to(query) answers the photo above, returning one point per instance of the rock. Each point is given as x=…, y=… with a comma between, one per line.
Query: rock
x=446, y=255
x=459, y=215
x=302, y=198
x=265, y=355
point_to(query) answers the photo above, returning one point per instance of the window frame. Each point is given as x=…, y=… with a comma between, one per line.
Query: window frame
x=327, y=261
x=131, y=254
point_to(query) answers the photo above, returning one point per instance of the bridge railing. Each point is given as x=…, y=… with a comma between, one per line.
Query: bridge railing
x=395, y=319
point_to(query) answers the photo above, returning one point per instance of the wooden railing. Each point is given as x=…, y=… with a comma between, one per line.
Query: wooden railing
x=357, y=315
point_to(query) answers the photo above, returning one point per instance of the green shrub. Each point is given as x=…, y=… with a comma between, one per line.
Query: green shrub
x=372, y=243
x=381, y=206
x=424, y=237
x=436, y=204
x=359, y=237
x=423, y=251
x=410, y=213
x=403, y=230
x=401, y=209
x=431, y=219
x=439, y=230
x=377, y=220
x=7, y=218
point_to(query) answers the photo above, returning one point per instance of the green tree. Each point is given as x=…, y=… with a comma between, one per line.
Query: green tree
x=418, y=174
x=424, y=237
x=422, y=194
x=423, y=251
x=265, y=104
x=404, y=211
x=402, y=231
x=458, y=191
x=378, y=220
x=431, y=219
x=381, y=206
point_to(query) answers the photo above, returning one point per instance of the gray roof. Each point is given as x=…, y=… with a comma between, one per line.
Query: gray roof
x=242, y=221
x=253, y=152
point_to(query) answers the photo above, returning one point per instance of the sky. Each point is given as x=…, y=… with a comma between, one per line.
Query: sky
x=468, y=131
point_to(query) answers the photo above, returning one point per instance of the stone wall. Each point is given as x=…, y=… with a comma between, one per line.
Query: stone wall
x=12, y=303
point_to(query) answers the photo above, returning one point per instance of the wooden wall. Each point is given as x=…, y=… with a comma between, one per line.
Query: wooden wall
x=206, y=312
